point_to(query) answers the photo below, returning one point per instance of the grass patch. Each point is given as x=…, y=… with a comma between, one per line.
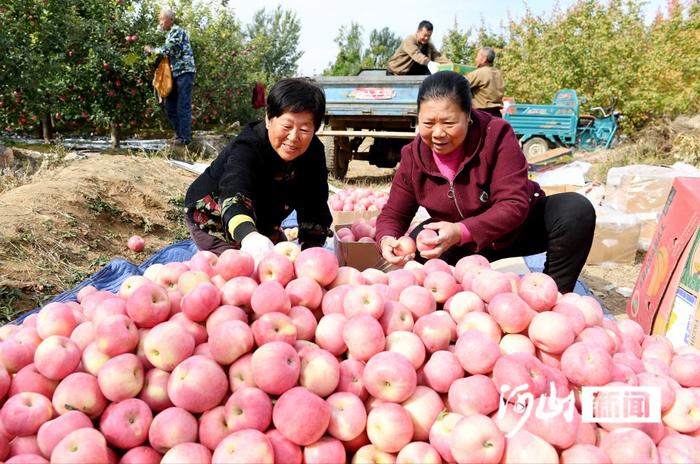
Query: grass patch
x=8, y=303
x=662, y=143
x=176, y=214
x=100, y=206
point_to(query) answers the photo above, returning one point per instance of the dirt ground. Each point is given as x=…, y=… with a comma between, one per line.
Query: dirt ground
x=74, y=216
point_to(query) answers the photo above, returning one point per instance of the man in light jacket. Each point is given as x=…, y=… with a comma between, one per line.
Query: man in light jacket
x=416, y=55
x=487, y=83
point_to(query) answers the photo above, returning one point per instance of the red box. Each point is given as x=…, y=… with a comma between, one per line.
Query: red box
x=655, y=290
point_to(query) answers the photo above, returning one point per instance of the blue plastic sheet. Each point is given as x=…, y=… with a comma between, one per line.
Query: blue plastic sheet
x=111, y=276
x=290, y=221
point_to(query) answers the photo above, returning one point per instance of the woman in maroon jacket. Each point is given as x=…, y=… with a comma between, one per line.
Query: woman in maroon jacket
x=467, y=170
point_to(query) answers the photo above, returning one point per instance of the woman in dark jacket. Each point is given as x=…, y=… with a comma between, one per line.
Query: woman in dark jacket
x=271, y=168
x=467, y=169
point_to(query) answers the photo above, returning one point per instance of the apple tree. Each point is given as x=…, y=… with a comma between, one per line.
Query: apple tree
x=74, y=64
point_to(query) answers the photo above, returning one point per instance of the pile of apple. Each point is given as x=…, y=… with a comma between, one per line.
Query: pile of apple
x=358, y=199
x=361, y=230
x=300, y=360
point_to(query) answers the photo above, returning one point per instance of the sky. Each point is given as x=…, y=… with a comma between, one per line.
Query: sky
x=321, y=19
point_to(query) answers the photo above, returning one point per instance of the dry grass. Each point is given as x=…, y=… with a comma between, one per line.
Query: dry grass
x=362, y=174
x=662, y=143
x=64, y=223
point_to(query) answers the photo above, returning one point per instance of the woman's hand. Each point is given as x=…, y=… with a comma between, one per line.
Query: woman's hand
x=393, y=251
x=256, y=245
x=449, y=234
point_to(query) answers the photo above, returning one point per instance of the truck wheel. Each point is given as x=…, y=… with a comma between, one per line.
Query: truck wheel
x=335, y=162
x=535, y=146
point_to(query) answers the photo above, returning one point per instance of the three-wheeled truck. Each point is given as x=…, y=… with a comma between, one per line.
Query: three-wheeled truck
x=371, y=116
x=372, y=110
x=561, y=124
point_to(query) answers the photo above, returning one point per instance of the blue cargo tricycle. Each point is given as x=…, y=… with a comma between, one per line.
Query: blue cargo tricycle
x=542, y=127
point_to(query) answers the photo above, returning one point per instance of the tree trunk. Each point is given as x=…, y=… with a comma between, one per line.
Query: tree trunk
x=115, y=134
x=46, y=129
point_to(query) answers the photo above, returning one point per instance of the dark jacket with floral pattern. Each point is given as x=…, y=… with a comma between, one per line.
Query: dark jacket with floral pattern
x=248, y=177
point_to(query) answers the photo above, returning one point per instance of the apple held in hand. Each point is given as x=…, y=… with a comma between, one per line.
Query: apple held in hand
x=423, y=235
x=405, y=247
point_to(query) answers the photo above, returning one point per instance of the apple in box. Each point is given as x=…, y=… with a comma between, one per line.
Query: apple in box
x=358, y=199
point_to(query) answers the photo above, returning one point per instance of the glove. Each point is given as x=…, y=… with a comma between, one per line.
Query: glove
x=256, y=245
x=432, y=67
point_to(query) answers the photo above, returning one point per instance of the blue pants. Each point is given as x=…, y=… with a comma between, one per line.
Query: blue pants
x=178, y=106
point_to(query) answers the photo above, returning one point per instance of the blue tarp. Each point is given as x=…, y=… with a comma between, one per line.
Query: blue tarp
x=110, y=277
x=536, y=264
x=290, y=221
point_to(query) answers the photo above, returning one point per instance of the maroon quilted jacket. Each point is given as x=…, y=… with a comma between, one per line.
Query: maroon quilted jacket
x=491, y=193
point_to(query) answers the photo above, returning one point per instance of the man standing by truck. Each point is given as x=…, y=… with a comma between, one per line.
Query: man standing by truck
x=487, y=83
x=416, y=55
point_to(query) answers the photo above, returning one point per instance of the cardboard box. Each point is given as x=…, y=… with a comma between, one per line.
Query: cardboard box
x=638, y=188
x=347, y=217
x=682, y=326
x=615, y=239
x=648, y=223
x=654, y=296
x=552, y=189
x=359, y=255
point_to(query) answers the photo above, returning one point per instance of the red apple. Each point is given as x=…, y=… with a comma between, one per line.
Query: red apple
x=276, y=367
x=172, y=427
x=389, y=376
x=477, y=439
x=284, y=450
x=125, y=424
x=248, y=408
x=318, y=263
x=405, y=246
x=301, y=416
x=423, y=236
x=234, y=263
x=82, y=446
x=197, y=384
x=25, y=412
x=136, y=243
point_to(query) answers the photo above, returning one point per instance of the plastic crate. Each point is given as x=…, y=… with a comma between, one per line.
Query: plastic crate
x=456, y=67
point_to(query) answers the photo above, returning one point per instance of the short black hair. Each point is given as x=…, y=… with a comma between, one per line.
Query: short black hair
x=446, y=84
x=297, y=95
x=425, y=24
x=489, y=54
